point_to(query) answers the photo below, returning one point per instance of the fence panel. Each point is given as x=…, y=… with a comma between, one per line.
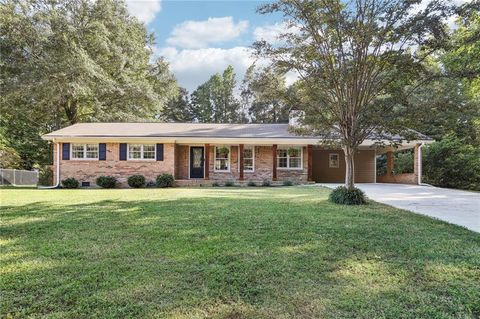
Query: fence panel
x=17, y=177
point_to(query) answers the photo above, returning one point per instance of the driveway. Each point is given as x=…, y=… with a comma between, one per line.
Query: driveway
x=450, y=205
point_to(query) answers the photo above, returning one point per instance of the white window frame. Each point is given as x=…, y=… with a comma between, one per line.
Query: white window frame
x=215, y=160
x=84, y=158
x=142, y=152
x=330, y=160
x=252, y=147
x=288, y=168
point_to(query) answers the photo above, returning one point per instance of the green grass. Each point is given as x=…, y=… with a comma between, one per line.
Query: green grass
x=228, y=253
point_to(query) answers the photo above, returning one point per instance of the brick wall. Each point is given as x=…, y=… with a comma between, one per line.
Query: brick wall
x=89, y=170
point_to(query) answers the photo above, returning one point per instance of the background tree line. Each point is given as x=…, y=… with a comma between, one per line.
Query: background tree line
x=67, y=62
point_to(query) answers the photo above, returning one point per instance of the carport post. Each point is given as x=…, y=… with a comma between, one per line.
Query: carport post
x=309, y=162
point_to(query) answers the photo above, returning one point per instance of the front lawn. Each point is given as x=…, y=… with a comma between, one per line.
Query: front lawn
x=228, y=253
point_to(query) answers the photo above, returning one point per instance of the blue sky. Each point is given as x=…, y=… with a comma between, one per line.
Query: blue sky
x=200, y=38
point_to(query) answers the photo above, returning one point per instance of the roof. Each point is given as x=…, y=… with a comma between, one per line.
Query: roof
x=186, y=131
x=175, y=130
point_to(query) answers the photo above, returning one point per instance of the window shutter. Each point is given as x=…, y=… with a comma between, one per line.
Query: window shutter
x=159, y=152
x=102, y=151
x=65, y=151
x=123, y=151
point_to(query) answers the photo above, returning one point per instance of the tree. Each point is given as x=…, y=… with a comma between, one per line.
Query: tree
x=77, y=61
x=263, y=94
x=355, y=59
x=178, y=108
x=214, y=101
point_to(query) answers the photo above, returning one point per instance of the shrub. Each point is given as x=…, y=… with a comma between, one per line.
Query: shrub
x=136, y=181
x=151, y=184
x=45, y=175
x=251, y=183
x=165, y=180
x=106, y=181
x=229, y=183
x=266, y=183
x=70, y=183
x=287, y=183
x=215, y=184
x=452, y=163
x=345, y=196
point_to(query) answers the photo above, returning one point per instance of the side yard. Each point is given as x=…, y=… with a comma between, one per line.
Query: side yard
x=228, y=253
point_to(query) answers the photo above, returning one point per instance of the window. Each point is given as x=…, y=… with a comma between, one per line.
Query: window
x=290, y=158
x=141, y=151
x=222, y=159
x=248, y=159
x=333, y=160
x=84, y=151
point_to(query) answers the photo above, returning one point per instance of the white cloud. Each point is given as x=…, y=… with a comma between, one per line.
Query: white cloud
x=144, y=10
x=270, y=32
x=199, y=34
x=192, y=67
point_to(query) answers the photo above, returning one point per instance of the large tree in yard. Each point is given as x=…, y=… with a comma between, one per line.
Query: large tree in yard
x=356, y=61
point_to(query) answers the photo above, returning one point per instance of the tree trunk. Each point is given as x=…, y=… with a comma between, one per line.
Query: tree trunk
x=349, y=167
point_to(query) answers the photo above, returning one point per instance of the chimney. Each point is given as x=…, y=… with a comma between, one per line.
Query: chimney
x=295, y=117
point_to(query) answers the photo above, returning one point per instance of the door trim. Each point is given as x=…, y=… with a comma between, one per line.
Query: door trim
x=190, y=159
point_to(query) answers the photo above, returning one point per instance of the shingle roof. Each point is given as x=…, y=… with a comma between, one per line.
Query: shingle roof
x=187, y=130
x=175, y=130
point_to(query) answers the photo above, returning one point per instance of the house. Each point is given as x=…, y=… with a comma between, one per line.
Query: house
x=196, y=153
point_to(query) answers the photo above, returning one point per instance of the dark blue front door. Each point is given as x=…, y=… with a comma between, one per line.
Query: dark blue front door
x=196, y=162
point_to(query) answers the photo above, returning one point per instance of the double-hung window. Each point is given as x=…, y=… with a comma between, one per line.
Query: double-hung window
x=333, y=160
x=248, y=159
x=222, y=159
x=141, y=151
x=289, y=158
x=84, y=151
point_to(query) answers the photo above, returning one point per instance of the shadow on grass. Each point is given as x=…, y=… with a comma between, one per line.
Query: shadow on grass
x=229, y=255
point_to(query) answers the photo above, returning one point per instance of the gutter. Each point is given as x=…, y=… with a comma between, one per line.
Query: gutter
x=57, y=169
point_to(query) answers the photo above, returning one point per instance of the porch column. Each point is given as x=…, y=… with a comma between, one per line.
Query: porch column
x=274, y=164
x=240, y=149
x=417, y=169
x=390, y=163
x=207, y=161
x=310, y=162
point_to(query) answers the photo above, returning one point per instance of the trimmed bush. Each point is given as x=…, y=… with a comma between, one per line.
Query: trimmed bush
x=287, y=183
x=266, y=183
x=344, y=196
x=215, y=184
x=45, y=175
x=70, y=183
x=136, y=181
x=106, y=181
x=229, y=183
x=251, y=183
x=165, y=180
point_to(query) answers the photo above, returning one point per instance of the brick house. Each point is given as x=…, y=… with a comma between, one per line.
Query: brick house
x=196, y=153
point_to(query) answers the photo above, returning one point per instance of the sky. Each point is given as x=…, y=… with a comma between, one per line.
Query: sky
x=199, y=38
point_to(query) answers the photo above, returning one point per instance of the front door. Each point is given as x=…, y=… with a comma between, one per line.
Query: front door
x=196, y=161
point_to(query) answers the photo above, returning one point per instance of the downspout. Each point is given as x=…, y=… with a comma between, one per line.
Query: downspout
x=56, y=168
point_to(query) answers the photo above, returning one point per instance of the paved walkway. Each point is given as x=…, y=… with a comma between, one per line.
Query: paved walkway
x=450, y=205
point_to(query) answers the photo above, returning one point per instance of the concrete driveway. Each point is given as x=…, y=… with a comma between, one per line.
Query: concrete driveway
x=450, y=205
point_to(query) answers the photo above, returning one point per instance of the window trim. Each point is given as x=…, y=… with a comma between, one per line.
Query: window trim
x=288, y=168
x=330, y=160
x=142, y=152
x=228, y=159
x=84, y=158
x=253, y=159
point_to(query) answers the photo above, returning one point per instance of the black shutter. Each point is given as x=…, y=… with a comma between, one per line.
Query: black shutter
x=159, y=152
x=102, y=151
x=65, y=151
x=123, y=151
